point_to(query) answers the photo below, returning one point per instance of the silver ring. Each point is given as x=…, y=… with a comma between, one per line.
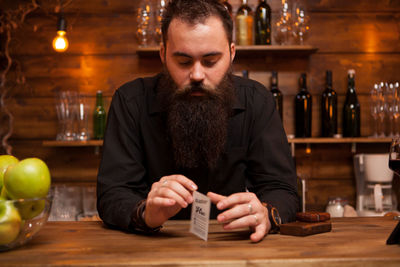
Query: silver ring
x=164, y=183
x=250, y=209
x=255, y=217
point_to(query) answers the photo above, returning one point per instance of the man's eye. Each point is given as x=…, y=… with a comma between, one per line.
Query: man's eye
x=209, y=63
x=185, y=62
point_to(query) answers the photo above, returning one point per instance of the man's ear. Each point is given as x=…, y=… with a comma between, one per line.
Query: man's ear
x=233, y=52
x=162, y=53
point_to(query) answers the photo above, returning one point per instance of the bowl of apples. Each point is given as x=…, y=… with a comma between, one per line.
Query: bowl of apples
x=25, y=200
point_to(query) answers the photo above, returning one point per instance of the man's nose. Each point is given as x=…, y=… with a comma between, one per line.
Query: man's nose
x=197, y=73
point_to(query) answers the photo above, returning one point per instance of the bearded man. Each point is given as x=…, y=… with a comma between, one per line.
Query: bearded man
x=196, y=126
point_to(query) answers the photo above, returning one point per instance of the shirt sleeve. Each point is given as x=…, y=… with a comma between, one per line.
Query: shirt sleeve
x=270, y=165
x=121, y=181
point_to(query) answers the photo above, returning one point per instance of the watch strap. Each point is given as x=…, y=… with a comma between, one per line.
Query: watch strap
x=274, y=218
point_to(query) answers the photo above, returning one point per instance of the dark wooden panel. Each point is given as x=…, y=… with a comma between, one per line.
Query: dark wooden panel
x=45, y=75
x=66, y=165
x=106, y=7
x=92, y=34
x=319, y=191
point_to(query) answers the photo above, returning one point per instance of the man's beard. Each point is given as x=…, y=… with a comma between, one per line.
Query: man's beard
x=197, y=125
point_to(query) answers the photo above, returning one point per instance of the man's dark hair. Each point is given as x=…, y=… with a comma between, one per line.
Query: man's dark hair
x=196, y=11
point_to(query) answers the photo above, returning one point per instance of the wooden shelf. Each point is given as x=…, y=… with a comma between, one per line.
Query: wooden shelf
x=248, y=50
x=313, y=140
x=55, y=143
x=344, y=140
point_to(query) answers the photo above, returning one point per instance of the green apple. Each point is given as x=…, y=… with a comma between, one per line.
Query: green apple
x=29, y=178
x=30, y=208
x=10, y=222
x=3, y=193
x=5, y=161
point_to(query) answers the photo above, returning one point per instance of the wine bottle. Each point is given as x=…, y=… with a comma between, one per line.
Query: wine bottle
x=328, y=108
x=99, y=117
x=303, y=109
x=351, y=109
x=262, y=20
x=276, y=93
x=244, y=25
x=227, y=6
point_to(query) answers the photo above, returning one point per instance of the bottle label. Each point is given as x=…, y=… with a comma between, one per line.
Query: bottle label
x=244, y=26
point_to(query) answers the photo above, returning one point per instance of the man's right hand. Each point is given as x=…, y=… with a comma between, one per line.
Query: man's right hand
x=166, y=198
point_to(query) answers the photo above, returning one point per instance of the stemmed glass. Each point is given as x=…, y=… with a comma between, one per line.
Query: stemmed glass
x=144, y=32
x=396, y=110
x=381, y=110
x=374, y=105
x=390, y=103
x=301, y=24
x=283, y=26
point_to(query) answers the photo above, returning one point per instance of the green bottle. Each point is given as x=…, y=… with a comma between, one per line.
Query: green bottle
x=262, y=20
x=99, y=117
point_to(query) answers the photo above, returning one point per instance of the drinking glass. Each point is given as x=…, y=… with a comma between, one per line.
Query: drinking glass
x=66, y=108
x=381, y=110
x=83, y=118
x=159, y=13
x=389, y=102
x=374, y=108
x=283, y=26
x=301, y=23
x=60, y=110
x=144, y=20
x=396, y=110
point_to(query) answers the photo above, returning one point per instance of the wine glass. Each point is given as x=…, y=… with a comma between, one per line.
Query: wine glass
x=283, y=26
x=144, y=32
x=301, y=24
x=374, y=105
x=396, y=110
x=381, y=110
x=394, y=155
x=159, y=14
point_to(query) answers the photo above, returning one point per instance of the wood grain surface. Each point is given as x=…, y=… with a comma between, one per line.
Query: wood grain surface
x=352, y=242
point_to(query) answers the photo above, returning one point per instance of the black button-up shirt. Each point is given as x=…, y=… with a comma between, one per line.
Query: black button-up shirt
x=137, y=153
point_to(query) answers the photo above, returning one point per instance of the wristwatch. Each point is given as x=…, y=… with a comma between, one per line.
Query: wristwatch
x=274, y=218
x=138, y=223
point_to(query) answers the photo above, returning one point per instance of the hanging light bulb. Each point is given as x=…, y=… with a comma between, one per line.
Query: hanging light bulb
x=60, y=42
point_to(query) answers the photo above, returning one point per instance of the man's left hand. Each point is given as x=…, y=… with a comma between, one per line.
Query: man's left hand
x=242, y=210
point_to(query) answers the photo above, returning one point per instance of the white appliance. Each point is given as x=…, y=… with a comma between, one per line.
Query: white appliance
x=374, y=184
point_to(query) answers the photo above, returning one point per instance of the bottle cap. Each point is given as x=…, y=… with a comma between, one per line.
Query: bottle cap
x=351, y=72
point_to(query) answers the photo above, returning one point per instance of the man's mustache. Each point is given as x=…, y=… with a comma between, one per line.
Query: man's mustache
x=196, y=88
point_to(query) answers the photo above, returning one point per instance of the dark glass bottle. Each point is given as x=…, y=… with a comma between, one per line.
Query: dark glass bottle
x=244, y=25
x=328, y=108
x=303, y=109
x=262, y=20
x=99, y=117
x=351, y=109
x=227, y=6
x=276, y=93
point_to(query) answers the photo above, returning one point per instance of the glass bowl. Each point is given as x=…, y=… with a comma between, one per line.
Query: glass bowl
x=21, y=220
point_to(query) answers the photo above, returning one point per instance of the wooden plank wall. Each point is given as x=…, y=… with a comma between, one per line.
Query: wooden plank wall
x=358, y=34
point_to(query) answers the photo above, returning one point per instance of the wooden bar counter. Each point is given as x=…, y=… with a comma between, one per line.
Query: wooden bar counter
x=352, y=242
